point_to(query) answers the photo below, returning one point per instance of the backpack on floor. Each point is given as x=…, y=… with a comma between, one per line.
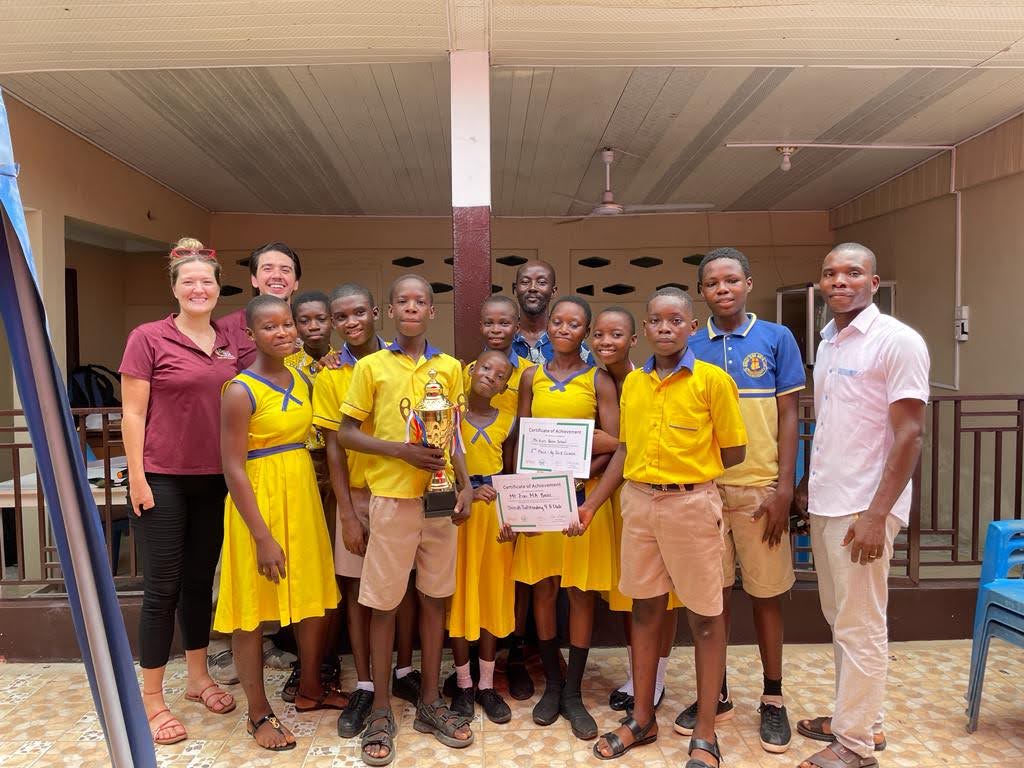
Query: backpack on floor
x=92, y=386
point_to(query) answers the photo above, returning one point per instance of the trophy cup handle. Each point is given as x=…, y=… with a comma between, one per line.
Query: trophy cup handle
x=405, y=407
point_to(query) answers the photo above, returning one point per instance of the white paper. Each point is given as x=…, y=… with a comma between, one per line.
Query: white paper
x=536, y=502
x=555, y=445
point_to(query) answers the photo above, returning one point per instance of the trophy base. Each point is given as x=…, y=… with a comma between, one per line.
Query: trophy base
x=439, y=503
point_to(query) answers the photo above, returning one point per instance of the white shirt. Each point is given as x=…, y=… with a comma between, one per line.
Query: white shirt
x=858, y=373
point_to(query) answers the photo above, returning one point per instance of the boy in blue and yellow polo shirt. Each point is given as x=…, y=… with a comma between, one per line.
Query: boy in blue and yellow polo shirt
x=764, y=361
x=401, y=537
x=680, y=427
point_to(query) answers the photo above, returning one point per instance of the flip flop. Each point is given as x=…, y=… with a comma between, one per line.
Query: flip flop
x=251, y=727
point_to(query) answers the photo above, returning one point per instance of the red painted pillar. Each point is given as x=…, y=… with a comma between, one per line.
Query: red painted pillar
x=471, y=194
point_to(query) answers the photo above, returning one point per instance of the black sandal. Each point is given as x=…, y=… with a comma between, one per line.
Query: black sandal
x=377, y=735
x=251, y=728
x=291, y=685
x=437, y=719
x=641, y=736
x=707, y=746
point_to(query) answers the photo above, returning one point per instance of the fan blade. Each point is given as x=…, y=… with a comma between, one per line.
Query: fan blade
x=570, y=221
x=668, y=207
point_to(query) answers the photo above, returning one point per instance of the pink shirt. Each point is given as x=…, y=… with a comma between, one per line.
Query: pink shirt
x=859, y=372
x=183, y=416
x=234, y=327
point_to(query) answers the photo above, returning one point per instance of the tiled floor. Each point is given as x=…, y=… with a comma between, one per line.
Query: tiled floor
x=46, y=718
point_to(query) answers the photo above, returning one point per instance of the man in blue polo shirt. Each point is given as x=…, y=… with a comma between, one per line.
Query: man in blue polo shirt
x=534, y=288
x=764, y=361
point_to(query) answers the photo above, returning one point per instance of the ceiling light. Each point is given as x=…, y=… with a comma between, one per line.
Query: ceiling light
x=787, y=152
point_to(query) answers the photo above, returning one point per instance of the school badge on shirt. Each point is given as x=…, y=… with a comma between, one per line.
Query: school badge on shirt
x=223, y=353
x=755, y=365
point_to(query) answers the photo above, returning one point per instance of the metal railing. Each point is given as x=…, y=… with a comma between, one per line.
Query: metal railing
x=970, y=473
x=28, y=555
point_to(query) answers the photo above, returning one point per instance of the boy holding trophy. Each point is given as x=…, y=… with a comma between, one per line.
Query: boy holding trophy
x=405, y=390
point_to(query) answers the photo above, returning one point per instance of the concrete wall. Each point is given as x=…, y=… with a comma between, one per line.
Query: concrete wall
x=62, y=176
x=783, y=247
x=910, y=222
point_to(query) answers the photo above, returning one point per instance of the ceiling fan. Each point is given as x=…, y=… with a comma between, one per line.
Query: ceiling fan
x=608, y=206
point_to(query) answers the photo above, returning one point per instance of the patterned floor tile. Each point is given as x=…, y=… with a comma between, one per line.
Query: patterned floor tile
x=48, y=717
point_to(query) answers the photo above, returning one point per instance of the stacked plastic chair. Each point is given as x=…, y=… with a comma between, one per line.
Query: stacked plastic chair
x=1000, y=608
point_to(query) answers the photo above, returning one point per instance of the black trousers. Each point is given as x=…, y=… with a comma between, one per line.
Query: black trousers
x=180, y=540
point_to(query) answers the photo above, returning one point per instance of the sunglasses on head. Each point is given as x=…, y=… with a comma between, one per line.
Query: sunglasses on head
x=203, y=253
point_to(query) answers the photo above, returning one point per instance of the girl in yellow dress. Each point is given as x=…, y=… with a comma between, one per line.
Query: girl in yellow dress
x=277, y=563
x=483, y=606
x=613, y=337
x=568, y=387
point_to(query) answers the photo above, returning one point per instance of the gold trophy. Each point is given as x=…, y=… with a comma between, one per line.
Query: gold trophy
x=434, y=422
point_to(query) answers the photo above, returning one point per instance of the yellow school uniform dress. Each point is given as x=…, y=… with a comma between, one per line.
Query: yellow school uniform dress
x=585, y=562
x=484, y=590
x=310, y=368
x=507, y=401
x=282, y=477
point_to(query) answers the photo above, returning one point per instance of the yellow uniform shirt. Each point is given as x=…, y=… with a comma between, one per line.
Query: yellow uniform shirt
x=673, y=428
x=508, y=401
x=329, y=392
x=302, y=362
x=379, y=383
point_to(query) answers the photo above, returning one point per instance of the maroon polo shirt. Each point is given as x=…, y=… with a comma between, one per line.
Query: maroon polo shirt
x=183, y=416
x=234, y=328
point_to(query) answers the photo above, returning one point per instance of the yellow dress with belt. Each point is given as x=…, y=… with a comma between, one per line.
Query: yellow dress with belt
x=587, y=562
x=284, y=483
x=485, y=593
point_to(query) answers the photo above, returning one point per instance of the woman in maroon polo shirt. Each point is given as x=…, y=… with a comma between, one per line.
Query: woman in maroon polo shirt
x=171, y=377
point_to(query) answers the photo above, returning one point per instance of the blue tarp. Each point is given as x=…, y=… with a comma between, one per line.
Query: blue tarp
x=77, y=531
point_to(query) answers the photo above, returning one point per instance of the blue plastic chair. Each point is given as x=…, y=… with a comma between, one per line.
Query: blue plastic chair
x=999, y=611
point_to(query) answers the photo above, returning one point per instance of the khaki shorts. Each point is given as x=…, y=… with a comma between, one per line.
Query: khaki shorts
x=345, y=563
x=402, y=539
x=766, y=572
x=672, y=540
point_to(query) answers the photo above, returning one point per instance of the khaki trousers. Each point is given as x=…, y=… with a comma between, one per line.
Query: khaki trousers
x=854, y=599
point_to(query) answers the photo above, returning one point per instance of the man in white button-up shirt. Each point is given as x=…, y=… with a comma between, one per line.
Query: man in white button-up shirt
x=870, y=392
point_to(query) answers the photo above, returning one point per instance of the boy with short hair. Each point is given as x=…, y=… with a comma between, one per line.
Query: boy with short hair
x=353, y=314
x=401, y=537
x=680, y=426
x=764, y=361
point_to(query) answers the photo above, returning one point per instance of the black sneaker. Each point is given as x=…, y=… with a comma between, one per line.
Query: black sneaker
x=775, y=732
x=352, y=719
x=687, y=719
x=546, y=710
x=291, y=686
x=407, y=687
x=520, y=684
x=462, y=702
x=495, y=707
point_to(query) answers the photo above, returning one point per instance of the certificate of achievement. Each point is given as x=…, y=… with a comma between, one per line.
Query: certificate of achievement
x=555, y=445
x=536, y=502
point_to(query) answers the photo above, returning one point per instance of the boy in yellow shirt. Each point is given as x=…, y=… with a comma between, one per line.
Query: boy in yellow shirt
x=401, y=537
x=354, y=314
x=680, y=426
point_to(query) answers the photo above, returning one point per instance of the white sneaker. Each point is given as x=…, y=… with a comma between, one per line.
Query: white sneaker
x=222, y=668
x=275, y=658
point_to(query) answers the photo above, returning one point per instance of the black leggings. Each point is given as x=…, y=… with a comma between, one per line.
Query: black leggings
x=180, y=539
